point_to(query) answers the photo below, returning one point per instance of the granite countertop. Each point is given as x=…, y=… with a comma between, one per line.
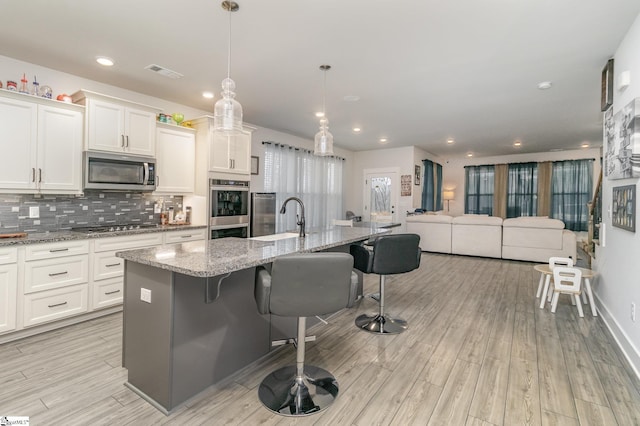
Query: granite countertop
x=225, y=255
x=53, y=237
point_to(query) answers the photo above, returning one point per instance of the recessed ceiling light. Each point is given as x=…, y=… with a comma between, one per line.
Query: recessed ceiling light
x=208, y=95
x=356, y=130
x=517, y=143
x=544, y=85
x=319, y=114
x=104, y=61
x=584, y=145
x=384, y=140
x=450, y=141
x=351, y=98
x=469, y=154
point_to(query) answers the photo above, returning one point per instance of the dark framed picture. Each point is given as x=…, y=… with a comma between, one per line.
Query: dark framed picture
x=624, y=207
x=606, y=97
x=255, y=162
x=417, y=176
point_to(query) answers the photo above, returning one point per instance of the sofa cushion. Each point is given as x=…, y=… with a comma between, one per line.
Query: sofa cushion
x=431, y=218
x=533, y=222
x=477, y=220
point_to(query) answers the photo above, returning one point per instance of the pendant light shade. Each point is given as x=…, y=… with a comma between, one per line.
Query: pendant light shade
x=324, y=139
x=227, y=111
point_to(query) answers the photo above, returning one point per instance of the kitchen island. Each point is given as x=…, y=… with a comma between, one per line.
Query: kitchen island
x=190, y=318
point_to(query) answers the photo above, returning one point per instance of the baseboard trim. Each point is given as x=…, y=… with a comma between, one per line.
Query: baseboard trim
x=630, y=352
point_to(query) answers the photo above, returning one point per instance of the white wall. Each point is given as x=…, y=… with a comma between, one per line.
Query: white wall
x=453, y=170
x=618, y=285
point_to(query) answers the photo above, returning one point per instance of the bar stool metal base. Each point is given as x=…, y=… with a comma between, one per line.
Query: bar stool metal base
x=381, y=324
x=284, y=393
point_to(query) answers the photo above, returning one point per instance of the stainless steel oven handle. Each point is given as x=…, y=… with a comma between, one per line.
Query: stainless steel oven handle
x=229, y=188
x=146, y=173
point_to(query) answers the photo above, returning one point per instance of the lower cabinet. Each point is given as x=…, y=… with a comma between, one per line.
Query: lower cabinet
x=8, y=295
x=50, y=305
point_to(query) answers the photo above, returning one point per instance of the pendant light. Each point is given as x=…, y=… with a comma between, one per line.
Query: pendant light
x=324, y=139
x=227, y=112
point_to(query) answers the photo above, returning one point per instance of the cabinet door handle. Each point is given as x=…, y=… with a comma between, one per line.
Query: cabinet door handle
x=57, y=304
x=112, y=292
x=33, y=174
x=185, y=236
x=127, y=141
x=55, y=274
x=112, y=265
x=39, y=175
x=122, y=140
x=57, y=250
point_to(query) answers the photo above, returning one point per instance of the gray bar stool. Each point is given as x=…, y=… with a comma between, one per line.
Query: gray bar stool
x=301, y=286
x=391, y=254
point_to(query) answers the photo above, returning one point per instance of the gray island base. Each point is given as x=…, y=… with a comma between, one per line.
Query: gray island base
x=190, y=318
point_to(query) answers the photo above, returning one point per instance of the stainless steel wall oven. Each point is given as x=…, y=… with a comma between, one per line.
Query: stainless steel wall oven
x=229, y=208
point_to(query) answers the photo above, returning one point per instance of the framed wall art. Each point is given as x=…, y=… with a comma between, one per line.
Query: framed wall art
x=255, y=161
x=606, y=96
x=622, y=142
x=623, y=213
x=417, y=175
x=405, y=185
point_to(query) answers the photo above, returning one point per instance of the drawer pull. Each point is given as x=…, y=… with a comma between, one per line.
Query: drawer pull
x=55, y=274
x=57, y=304
x=57, y=250
x=112, y=292
x=186, y=236
x=112, y=264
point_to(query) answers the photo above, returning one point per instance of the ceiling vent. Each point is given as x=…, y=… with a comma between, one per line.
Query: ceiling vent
x=164, y=71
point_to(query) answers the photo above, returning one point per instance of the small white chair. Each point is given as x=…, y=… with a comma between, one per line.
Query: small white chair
x=567, y=280
x=553, y=262
x=340, y=222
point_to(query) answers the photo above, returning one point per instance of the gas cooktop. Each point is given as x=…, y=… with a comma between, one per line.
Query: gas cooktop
x=110, y=228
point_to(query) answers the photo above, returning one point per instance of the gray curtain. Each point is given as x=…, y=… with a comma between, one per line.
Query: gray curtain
x=522, y=190
x=571, y=190
x=478, y=189
x=428, y=186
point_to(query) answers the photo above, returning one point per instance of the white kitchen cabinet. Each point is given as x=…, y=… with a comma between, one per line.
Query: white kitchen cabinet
x=117, y=125
x=8, y=288
x=175, y=159
x=42, y=142
x=185, y=235
x=56, y=281
x=227, y=155
x=108, y=270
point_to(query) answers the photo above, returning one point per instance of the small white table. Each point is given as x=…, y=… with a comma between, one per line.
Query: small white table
x=546, y=273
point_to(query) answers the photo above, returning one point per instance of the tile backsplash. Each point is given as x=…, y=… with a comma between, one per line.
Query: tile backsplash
x=93, y=208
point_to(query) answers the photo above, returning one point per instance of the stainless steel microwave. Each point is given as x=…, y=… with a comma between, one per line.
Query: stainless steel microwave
x=118, y=172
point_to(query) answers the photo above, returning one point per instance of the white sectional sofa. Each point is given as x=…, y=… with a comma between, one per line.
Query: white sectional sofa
x=434, y=231
x=536, y=239
x=533, y=239
x=477, y=235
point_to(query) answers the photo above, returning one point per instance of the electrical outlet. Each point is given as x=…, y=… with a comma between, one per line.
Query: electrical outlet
x=34, y=212
x=633, y=312
x=145, y=295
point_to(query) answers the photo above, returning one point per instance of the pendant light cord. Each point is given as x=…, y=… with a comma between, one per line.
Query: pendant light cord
x=229, y=47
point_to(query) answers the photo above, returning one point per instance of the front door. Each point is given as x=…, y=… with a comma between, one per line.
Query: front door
x=380, y=196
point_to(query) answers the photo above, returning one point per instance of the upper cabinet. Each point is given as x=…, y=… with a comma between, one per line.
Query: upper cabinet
x=117, y=125
x=226, y=154
x=42, y=142
x=175, y=159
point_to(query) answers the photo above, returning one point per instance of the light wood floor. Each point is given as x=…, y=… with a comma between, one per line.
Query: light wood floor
x=478, y=352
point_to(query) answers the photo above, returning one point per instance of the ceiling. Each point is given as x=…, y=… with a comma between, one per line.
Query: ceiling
x=424, y=70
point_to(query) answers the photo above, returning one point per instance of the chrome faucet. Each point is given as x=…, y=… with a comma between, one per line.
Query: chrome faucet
x=300, y=219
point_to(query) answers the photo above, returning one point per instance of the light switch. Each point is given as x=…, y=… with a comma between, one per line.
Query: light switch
x=34, y=212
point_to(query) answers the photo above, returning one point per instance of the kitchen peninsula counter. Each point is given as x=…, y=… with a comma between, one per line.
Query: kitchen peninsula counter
x=190, y=318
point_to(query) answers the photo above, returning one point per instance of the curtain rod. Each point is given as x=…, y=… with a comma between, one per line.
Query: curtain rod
x=297, y=148
x=528, y=162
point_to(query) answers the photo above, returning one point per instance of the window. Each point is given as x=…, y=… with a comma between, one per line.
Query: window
x=522, y=190
x=479, y=189
x=571, y=189
x=317, y=181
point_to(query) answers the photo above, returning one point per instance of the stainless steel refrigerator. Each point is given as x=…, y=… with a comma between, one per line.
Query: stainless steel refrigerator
x=263, y=213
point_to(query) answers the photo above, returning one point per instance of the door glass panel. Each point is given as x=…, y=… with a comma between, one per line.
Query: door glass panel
x=380, y=197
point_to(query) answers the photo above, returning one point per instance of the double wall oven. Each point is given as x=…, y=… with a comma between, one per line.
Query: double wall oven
x=228, y=208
